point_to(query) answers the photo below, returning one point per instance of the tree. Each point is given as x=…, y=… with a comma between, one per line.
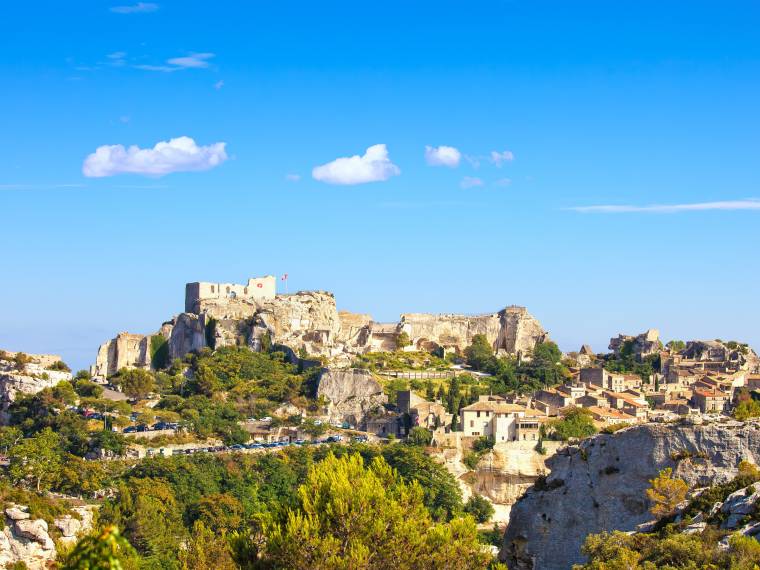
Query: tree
x=352, y=516
x=37, y=459
x=747, y=409
x=479, y=507
x=419, y=436
x=666, y=493
x=480, y=353
x=455, y=422
x=676, y=345
x=402, y=340
x=429, y=391
x=206, y=550
x=9, y=436
x=104, y=551
x=136, y=383
x=576, y=423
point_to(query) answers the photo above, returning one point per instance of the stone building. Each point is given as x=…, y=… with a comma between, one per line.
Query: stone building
x=503, y=422
x=257, y=289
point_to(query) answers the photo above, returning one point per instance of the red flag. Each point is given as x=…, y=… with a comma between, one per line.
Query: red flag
x=285, y=277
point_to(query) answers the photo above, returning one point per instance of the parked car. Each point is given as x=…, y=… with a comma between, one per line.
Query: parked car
x=130, y=429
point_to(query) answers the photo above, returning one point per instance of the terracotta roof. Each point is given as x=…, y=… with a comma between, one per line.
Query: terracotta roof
x=710, y=393
x=494, y=407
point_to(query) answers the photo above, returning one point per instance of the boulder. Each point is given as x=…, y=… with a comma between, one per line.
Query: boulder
x=16, y=514
x=36, y=530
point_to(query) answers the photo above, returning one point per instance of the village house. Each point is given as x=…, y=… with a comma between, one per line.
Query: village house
x=609, y=416
x=711, y=400
x=501, y=421
x=615, y=381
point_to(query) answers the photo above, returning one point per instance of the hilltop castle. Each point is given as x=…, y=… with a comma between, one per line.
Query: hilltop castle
x=229, y=314
x=257, y=289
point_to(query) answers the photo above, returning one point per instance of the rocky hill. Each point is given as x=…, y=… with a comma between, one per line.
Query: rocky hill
x=310, y=321
x=601, y=485
x=27, y=374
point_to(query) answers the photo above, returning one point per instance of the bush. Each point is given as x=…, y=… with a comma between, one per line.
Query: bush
x=479, y=507
x=471, y=460
x=59, y=365
x=419, y=436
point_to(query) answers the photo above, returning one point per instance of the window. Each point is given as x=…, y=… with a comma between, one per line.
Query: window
x=478, y=414
x=472, y=423
x=245, y=290
x=212, y=288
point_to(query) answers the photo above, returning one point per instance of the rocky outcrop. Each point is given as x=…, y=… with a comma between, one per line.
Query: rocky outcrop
x=352, y=395
x=126, y=350
x=29, y=379
x=600, y=485
x=28, y=540
x=637, y=346
x=309, y=321
x=511, y=331
x=735, y=356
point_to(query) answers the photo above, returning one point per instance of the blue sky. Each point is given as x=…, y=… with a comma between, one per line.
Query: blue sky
x=624, y=104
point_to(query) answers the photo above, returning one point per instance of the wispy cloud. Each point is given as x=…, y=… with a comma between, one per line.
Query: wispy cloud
x=139, y=8
x=39, y=186
x=726, y=205
x=470, y=182
x=500, y=157
x=180, y=154
x=292, y=177
x=192, y=61
x=219, y=84
x=373, y=166
x=442, y=156
x=117, y=58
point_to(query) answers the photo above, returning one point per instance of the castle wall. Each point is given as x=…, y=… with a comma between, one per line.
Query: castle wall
x=256, y=289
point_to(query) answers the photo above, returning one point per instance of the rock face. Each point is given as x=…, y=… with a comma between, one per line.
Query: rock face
x=34, y=377
x=601, y=485
x=309, y=321
x=512, y=330
x=126, y=350
x=640, y=346
x=27, y=540
x=352, y=395
x=738, y=358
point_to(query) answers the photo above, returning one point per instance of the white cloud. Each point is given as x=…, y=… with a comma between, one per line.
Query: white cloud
x=180, y=154
x=442, y=156
x=219, y=84
x=503, y=182
x=373, y=166
x=192, y=61
x=470, y=182
x=139, y=8
x=749, y=204
x=500, y=157
x=292, y=177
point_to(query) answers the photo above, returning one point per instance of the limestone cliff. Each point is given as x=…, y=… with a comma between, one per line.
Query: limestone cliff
x=352, y=394
x=601, y=485
x=512, y=330
x=29, y=379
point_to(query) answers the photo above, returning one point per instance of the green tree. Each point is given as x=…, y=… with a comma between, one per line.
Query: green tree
x=107, y=550
x=37, y=459
x=747, y=409
x=576, y=423
x=350, y=516
x=9, y=436
x=402, y=340
x=479, y=354
x=419, y=436
x=429, y=391
x=665, y=493
x=479, y=507
x=136, y=383
x=206, y=550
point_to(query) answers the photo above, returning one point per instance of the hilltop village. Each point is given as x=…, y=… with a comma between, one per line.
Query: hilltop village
x=488, y=403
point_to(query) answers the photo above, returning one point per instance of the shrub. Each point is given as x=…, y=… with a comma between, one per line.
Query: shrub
x=479, y=507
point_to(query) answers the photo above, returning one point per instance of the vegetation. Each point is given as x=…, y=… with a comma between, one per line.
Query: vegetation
x=747, y=409
x=608, y=551
x=480, y=508
x=419, y=436
x=507, y=375
x=666, y=493
x=576, y=423
x=352, y=516
x=159, y=351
